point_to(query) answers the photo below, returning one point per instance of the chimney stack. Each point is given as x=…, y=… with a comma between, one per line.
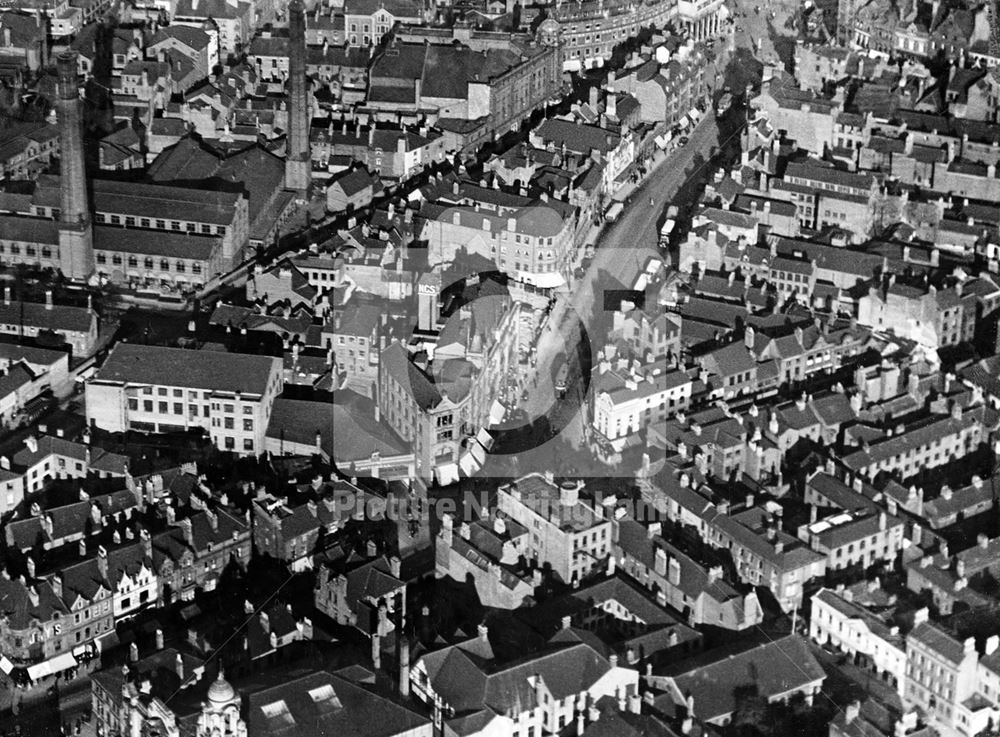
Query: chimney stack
x=404, y=667
x=298, y=164
x=76, y=236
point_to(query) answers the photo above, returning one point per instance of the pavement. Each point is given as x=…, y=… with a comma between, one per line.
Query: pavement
x=754, y=29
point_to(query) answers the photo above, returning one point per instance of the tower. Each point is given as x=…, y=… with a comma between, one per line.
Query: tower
x=298, y=166
x=76, y=236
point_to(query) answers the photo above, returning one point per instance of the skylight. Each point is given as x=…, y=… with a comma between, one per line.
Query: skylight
x=326, y=698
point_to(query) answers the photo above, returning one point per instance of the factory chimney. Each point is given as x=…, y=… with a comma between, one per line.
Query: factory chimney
x=298, y=167
x=76, y=237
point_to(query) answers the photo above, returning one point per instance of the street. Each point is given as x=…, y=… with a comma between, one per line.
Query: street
x=623, y=249
x=753, y=27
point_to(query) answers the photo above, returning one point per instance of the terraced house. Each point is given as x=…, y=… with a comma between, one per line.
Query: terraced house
x=192, y=553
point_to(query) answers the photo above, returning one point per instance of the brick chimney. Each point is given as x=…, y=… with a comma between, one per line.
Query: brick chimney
x=76, y=238
x=298, y=164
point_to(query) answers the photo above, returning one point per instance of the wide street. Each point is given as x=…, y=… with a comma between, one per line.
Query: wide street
x=623, y=249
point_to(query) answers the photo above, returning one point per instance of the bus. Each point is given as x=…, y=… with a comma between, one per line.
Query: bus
x=562, y=379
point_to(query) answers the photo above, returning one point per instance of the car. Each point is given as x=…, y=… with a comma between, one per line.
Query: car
x=684, y=140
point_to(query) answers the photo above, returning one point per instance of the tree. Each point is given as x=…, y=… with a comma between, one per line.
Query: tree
x=751, y=711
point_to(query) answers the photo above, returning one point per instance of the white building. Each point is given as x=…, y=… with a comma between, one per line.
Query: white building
x=854, y=630
x=703, y=19
x=157, y=389
x=625, y=403
x=569, y=533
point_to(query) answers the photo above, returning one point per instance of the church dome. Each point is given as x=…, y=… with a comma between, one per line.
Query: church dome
x=220, y=692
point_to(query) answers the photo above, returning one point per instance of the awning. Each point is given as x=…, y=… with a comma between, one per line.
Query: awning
x=5, y=665
x=694, y=114
x=484, y=438
x=547, y=280
x=81, y=650
x=62, y=662
x=497, y=412
x=662, y=141
x=447, y=473
x=478, y=452
x=468, y=464
x=39, y=671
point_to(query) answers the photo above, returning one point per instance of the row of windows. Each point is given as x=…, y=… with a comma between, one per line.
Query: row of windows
x=159, y=224
x=15, y=250
x=180, y=267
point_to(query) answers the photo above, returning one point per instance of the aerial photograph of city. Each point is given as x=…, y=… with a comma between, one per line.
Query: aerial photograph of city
x=500, y=368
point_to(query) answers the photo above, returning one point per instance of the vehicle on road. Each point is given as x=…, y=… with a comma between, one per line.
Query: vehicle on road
x=724, y=103
x=562, y=380
x=614, y=211
x=684, y=140
x=666, y=230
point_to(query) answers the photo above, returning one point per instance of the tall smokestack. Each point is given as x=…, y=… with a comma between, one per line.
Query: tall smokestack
x=76, y=237
x=298, y=167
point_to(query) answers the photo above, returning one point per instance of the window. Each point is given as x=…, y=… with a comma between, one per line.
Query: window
x=248, y=425
x=230, y=443
x=228, y=423
x=162, y=406
x=248, y=444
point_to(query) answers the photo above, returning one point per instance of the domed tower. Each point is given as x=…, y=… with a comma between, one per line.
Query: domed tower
x=220, y=715
x=548, y=32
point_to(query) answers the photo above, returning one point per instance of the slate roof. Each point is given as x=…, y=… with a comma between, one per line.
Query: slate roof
x=577, y=138
x=156, y=243
x=777, y=667
x=194, y=38
x=473, y=687
x=67, y=520
x=329, y=704
x=850, y=610
x=206, y=370
x=139, y=199
x=695, y=582
x=938, y=641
